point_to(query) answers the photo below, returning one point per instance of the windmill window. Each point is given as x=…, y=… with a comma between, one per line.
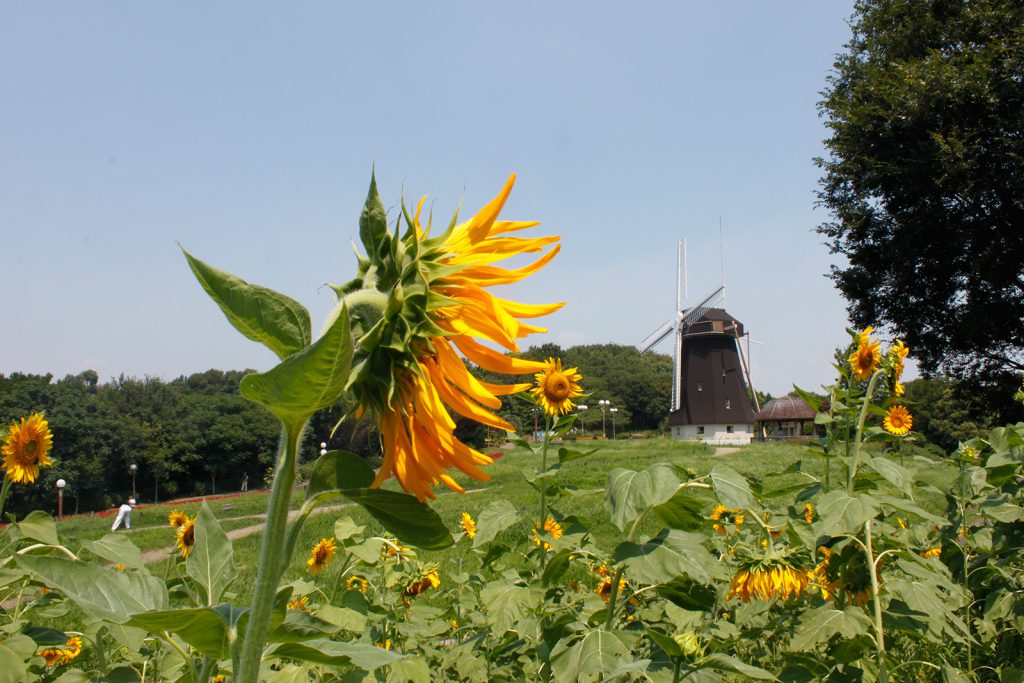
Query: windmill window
x=728, y=429
x=700, y=387
x=728, y=404
x=700, y=430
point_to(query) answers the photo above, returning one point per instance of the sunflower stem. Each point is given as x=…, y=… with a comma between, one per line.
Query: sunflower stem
x=271, y=563
x=613, y=597
x=3, y=493
x=859, y=434
x=544, y=485
x=883, y=673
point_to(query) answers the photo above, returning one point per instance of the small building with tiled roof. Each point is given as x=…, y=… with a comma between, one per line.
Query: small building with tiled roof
x=784, y=416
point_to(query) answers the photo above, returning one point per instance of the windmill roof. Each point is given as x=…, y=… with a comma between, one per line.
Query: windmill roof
x=785, y=408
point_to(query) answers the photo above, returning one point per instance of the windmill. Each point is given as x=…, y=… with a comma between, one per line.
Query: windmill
x=709, y=395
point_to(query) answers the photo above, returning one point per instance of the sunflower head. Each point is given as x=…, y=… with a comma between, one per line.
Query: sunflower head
x=321, y=554
x=808, y=513
x=25, y=448
x=177, y=518
x=932, y=552
x=186, y=537
x=426, y=580
x=604, y=589
x=765, y=580
x=468, y=525
x=299, y=603
x=866, y=356
x=549, y=529
x=419, y=304
x=898, y=420
x=356, y=583
x=556, y=387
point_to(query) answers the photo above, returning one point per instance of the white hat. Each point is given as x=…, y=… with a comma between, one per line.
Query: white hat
x=131, y=501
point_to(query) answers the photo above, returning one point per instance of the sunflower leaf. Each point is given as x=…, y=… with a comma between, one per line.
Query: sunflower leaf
x=306, y=381
x=411, y=521
x=261, y=314
x=211, y=561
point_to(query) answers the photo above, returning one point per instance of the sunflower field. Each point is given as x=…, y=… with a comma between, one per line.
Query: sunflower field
x=849, y=565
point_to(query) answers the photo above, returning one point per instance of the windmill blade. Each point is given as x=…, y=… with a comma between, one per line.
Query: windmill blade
x=656, y=336
x=681, y=276
x=712, y=300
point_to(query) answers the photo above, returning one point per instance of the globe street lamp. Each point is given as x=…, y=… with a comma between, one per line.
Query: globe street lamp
x=613, y=411
x=605, y=405
x=582, y=408
x=323, y=448
x=133, y=468
x=60, y=498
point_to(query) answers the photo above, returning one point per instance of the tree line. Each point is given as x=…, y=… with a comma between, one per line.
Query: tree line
x=197, y=435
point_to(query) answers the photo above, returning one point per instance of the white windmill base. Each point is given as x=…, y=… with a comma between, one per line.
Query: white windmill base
x=715, y=435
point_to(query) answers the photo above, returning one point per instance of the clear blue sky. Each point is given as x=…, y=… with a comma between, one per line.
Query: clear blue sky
x=247, y=132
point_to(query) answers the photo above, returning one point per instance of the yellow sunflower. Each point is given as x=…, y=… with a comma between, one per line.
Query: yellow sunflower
x=722, y=515
x=808, y=513
x=429, y=580
x=186, y=537
x=321, y=555
x=897, y=353
x=62, y=655
x=300, y=603
x=898, y=420
x=177, y=518
x=604, y=589
x=356, y=583
x=555, y=387
x=25, y=448
x=764, y=582
x=866, y=358
x=551, y=528
x=932, y=552
x=469, y=525
x=428, y=303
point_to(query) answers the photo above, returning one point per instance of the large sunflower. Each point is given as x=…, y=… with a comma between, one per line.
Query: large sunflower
x=766, y=581
x=868, y=354
x=321, y=555
x=25, y=448
x=419, y=302
x=555, y=387
x=898, y=420
x=186, y=537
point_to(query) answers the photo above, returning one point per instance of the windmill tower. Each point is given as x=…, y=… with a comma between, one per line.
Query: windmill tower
x=709, y=394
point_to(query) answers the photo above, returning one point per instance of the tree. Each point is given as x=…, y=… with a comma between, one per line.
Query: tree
x=925, y=178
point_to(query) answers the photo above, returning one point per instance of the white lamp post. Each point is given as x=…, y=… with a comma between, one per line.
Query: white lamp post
x=60, y=498
x=605, y=405
x=581, y=408
x=133, y=468
x=613, y=411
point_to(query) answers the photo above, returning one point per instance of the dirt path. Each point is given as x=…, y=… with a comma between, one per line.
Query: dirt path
x=725, y=450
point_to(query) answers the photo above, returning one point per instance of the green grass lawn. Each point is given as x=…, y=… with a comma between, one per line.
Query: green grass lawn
x=758, y=462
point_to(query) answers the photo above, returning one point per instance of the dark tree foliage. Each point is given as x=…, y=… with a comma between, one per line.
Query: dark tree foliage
x=925, y=178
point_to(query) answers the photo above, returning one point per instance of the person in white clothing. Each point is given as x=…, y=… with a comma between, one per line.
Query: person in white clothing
x=124, y=513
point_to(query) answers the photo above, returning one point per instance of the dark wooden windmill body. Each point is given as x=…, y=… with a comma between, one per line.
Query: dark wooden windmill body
x=709, y=392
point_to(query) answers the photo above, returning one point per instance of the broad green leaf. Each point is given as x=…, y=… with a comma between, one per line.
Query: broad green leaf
x=323, y=651
x=921, y=596
x=497, y=516
x=556, y=567
x=898, y=476
x=345, y=528
x=589, y=659
x=44, y=635
x=840, y=513
x=689, y=594
x=350, y=616
x=336, y=470
x=681, y=511
x=72, y=676
x=298, y=626
x=116, y=548
x=9, y=575
x=820, y=624
x=373, y=222
x=506, y=603
x=669, y=555
x=306, y=381
x=665, y=642
x=262, y=315
x=722, y=662
x=211, y=561
x=412, y=669
x=102, y=593
x=905, y=505
x=632, y=494
x=12, y=667
x=203, y=628
x=39, y=526
x=731, y=487
x=953, y=675
x=1000, y=509
x=568, y=454
x=411, y=521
